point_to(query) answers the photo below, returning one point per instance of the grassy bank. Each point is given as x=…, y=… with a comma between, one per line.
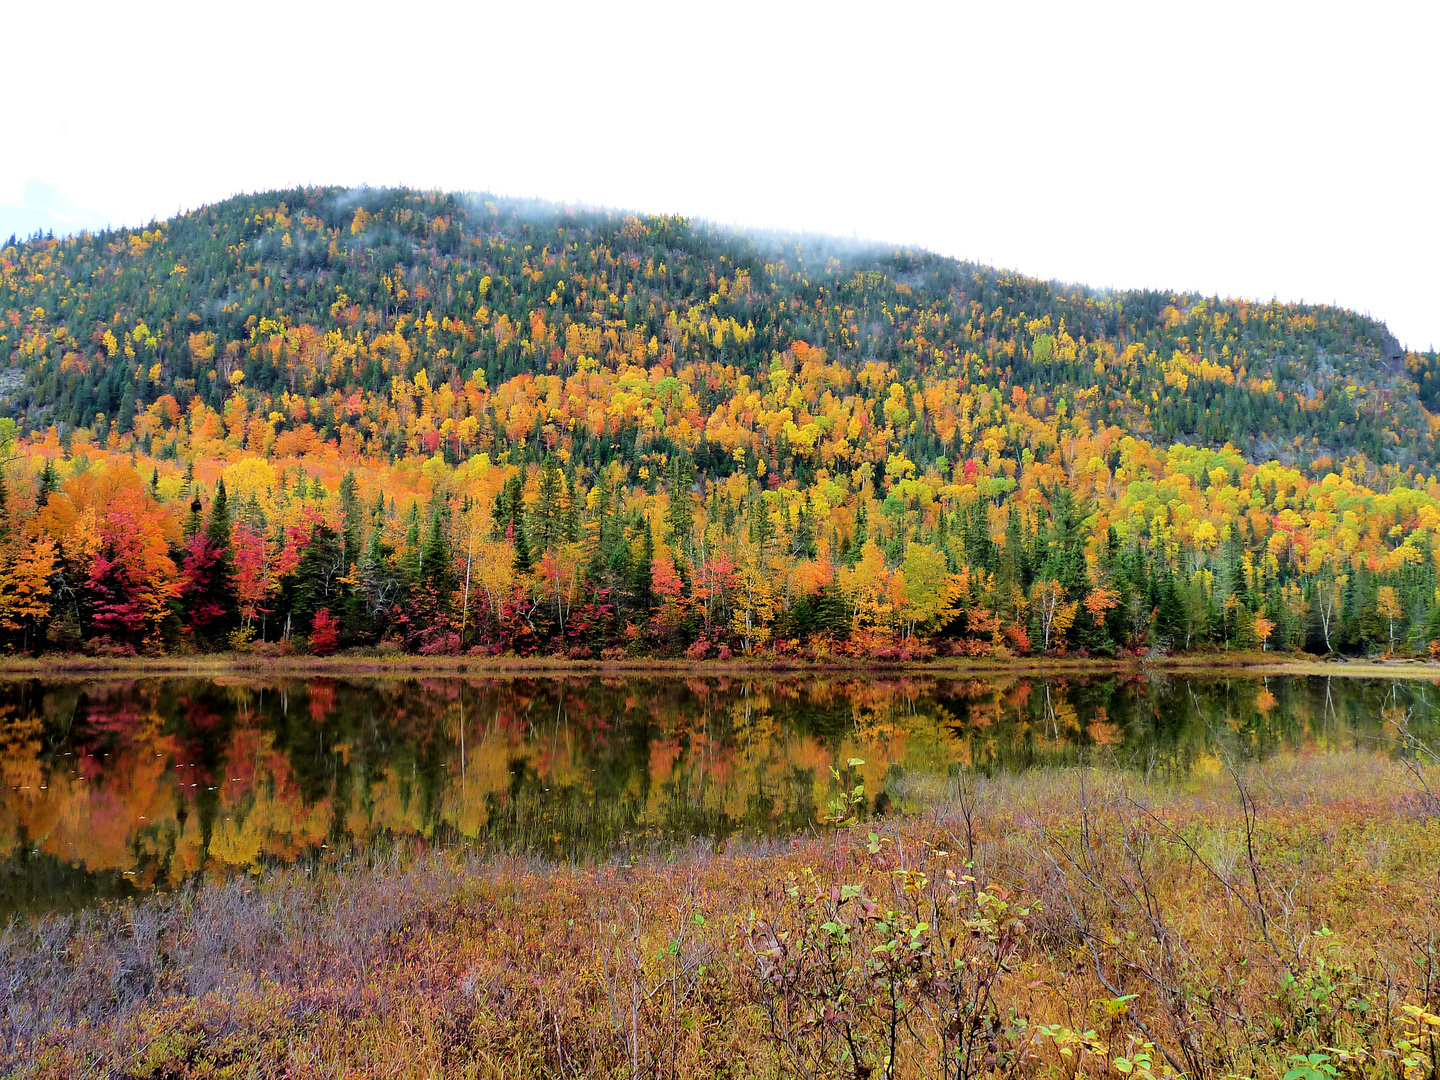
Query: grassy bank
x=1056, y=924
x=357, y=665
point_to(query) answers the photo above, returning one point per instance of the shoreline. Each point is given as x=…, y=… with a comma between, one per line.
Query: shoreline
x=1253, y=665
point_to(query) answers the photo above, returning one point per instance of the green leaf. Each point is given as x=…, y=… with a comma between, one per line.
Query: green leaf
x=1116, y=1006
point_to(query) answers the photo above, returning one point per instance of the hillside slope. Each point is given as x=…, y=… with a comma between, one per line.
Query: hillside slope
x=330, y=295
x=443, y=423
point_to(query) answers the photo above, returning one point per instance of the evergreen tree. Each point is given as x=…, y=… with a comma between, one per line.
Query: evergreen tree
x=1017, y=551
x=352, y=518
x=680, y=514
x=217, y=529
x=524, y=563
x=642, y=591
x=409, y=565
x=50, y=483
x=126, y=418
x=436, y=570
x=802, y=540
x=1065, y=560
x=316, y=580
x=979, y=548
x=1170, y=618
x=207, y=587
x=547, y=522
x=367, y=615
x=193, y=520
x=603, y=542
x=571, y=531
x=862, y=534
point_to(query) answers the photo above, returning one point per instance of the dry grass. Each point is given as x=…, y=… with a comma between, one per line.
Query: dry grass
x=1290, y=909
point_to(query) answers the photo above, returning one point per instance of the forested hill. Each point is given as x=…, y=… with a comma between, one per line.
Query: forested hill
x=359, y=318
x=392, y=419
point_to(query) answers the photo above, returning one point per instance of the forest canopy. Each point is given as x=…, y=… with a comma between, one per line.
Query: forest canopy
x=330, y=418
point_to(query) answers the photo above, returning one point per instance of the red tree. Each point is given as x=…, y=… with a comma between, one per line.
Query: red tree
x=132, y=578
x=324, y=633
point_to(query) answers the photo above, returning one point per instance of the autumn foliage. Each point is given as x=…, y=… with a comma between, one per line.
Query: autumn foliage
x=460, y=425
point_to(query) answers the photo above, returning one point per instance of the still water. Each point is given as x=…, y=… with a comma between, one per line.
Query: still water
x=115, y=787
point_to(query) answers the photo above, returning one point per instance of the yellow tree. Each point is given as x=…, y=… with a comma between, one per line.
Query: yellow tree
x=1263, y=628
x=924, y=590
x=869, y=587
x=1387, y=604
x=1056, y=614
x=490, y=566
x=25, y=570
x=754, y=606
x=472, y=526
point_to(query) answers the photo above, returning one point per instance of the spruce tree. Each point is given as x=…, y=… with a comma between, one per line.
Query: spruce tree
x=435, y=568
x=642, y=579
x=218, y=528
x=861, y=536
x=802, y=540
x=680, y=514
x=524, y=563
x=50, y=482
x=193, y=520
x=601, y=551
x=410, y=557
x=1017, y=554
x=979, y=548
x=546, y=518
x=207, y=591
x=126, y=418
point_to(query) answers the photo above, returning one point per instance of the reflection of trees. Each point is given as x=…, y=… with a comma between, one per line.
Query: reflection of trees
x=1164, y=725
x=153, y=780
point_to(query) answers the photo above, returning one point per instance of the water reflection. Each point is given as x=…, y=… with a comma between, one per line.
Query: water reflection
x=116, y=786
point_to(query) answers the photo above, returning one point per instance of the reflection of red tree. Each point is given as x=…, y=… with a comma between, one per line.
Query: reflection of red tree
x=1019, y=697
x=322, y=696
x=201, y=722
x=111, y=716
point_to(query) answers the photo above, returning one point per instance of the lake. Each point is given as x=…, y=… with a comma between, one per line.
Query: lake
x=114, y=787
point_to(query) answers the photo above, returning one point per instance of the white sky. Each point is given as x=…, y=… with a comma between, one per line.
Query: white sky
x=1247, y=148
